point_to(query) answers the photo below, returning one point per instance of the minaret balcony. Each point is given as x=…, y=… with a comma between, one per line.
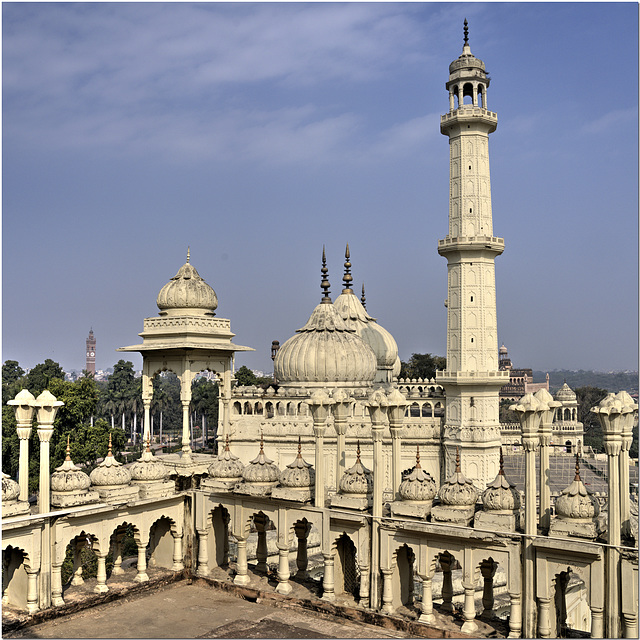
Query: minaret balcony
x=475, y=243
x=468, y=114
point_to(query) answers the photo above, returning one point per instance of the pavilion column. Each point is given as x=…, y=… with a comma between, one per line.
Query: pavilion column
x=397, y=404
x=24, y=405
x=515, y=615
x=628, y=421
x=426, y=605
x=142, y=576
x=203, y=553
x=488, y=571
x=387, y=591
x=242, y=567
x=56, y=585
x=365, y=574
x=328, y=580
x=302, y=560
x=101, y=575
x=32, y=591
x=186, y=437
x=320, y=406
x=117, y=556
x=260, y=522
x=544, y=435
x=283, y=587
x=341, y=413
x=178, y=564
x=447, y=583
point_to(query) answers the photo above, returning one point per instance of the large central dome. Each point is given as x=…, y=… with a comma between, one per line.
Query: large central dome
x=325, y=352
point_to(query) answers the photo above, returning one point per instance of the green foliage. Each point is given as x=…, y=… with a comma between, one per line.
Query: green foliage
x=614, y=382
x=506, y=415
x=422, y=365
x=39, y=378
x=588, y=397
x=13, y=380
x=204, y=401
x=166, y=400
x=245, y=377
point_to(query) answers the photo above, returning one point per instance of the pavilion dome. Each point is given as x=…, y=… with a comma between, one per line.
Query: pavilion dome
x=357, y=480
x=299, y=474
x=148, y=468
x=575, y=502
x=68, y=477
x=110, y=472
x=187, y=293
x=225, y=465
x=261, y=470
x=418, y=486
x=501, y=495
x=565, y=394
x=458, y=490
x=325, y=352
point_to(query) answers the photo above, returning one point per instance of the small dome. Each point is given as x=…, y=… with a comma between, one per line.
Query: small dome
x=502, y=350
x=68, y=477
x=261, y=469
x=501, y=495
x=565, y=394
x=299, y=474
x=10, y=488
x=325, y=351
x=110, y=472
x=418, y=486
x=575, y=502
x=225, y=465
x=148, y=468
x=458, y=490
x=187, y=293
x=357, y=480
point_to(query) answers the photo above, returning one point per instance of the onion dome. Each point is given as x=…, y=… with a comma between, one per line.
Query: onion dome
x=325, y=351
x=10, y=488
x=225, y=465
x=575, y=502
x=110, y=472
x=502, y=350
x=467, y=61
x=187, y=293
x=418, y=486
x=68, y=477
x=148, y=468
x=261, y=469
x=458, y=490
x=299, y=474
x=357, y=480
x=356, y=317
x=501, y=495
x=565, y=393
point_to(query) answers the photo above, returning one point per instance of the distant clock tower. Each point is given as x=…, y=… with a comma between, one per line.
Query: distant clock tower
x=91, y=354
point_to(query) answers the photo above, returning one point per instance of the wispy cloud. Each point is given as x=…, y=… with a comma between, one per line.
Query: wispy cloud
x=616, y=118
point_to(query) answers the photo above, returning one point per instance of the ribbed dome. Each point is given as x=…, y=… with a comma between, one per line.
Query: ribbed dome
x=68, y=477
x=357, y=480
x=261, y=469
x=501, y=495
x=225, y=465
x=110, y=472
x=575, y=502
x=148, y=468
x=325, y=352
x=565, y=394
x=458, y=490
x=299, y=474
x=10, y=488
x=187, y=293
x=418, y=486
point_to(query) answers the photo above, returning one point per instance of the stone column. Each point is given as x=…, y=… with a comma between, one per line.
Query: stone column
x=630, y=625
x=488, y=571
x=101, y=575
x=544, y=435
x=147, y=397
x=364, y=585
x=447, y=584
x=261, y=547
x=24, y=405
x=377, y=406
x=387, y=591
x=427, y=601
x=628, y=420
x=597, y=623
x=544, y=620
x=203, y=554
x=242, y=568
x=328, y=581
x=56, y=585
x=397, y=404
x=469, y=610
x=320, y=406
x=283, y=587
x=341, y=412
x=142, y=576
x=529, y=410
x=515, y=615
x=32, y=591
x=186, y=437
x=302, y=561
x=178, y=564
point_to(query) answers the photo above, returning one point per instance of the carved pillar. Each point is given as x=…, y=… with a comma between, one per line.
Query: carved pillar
x=544, y=435
x=178, y=564
x=186, y=437
x=101, y=575
x=341, y=412
x=597, y=623
x=387, y=591
x=488, y=571
x=56, y=585
x=469, y=610
x=320, y=406
x=242, y=568
x=396, y=408
x=630, y=625
x=283, y=587
x=203, y=553
x=627, y=422
x=515, y=615
x=302, y=561
x=426, y=605
x=24, y=405
x=32, y=591
x=447, y=583
x=544, y=621
x=328, y=581
x=364, y=585
x=260, y=522
x=142, y=576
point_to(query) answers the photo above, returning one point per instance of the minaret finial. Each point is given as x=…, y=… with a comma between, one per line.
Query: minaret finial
x=148, y=443
x=226, y=443
x=466, y=32
x=188, y=254
x=299, y=447
x=458, y=470
x=358, y=451
x=363, y=299
x=261, y=442
x=324, y=285
x=577, y=467
x=68, y=449
x=347, y=279
x=501, y=472
x=110, y=452
x=418, y=457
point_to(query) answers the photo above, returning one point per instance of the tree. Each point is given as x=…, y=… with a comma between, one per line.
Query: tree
x=41, y=375
x=245, y=377
x=587, y=398
x=204, y=398
x=13, y=380
x=422, y=365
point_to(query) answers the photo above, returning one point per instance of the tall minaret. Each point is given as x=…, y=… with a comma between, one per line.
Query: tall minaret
x=472, y=379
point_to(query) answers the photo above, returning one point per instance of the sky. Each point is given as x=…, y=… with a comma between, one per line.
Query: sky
x=256, y=133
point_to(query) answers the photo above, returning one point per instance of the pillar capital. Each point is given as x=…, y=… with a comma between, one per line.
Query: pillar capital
x=529, y=410
x=320, y=406
x=24, y=405
x=47, y=406
x=377, y=406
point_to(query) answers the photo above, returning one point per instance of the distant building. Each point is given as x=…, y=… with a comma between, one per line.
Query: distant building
x=91, y=353
x=520, y=380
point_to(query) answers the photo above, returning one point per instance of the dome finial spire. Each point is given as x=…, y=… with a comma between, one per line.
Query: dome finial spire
x=577, y=477
x=458, y=470
x=466, y=32
x=188, y=254
x=324, y=285
x=347, y=279
x=362, y=298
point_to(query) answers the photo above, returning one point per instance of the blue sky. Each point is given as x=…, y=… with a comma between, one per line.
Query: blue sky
x=256, y=133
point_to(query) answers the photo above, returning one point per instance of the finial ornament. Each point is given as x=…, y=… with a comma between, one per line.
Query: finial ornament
x=458, y=470
x=226, y=443
x=148, y=444
x=68, y=449
x=347, y=279
x=261, y=442
x=466, y=32
x=358, y=451
x=299, y=447
x=188, y=254
x=109, y=453
x=577, y=467
x=501, y=472
x=324, y=285
x=363, y=299
x=418, y=457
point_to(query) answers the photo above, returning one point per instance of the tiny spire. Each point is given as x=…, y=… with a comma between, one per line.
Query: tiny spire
x=109, y=453
x=347, y=279
x=261, y=442
x=299, y=447
x=418, y=457
x=68, y=449
x=466, y=32
x=324, y=285
x=148, y=444
x=226, y=443
x=363, y=299
x=577, y=467
x=501, y=472
x=458, y=470
x=188, y=254
x=358, y=452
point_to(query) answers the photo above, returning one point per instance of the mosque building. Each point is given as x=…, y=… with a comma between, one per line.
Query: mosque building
x=404, y=483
